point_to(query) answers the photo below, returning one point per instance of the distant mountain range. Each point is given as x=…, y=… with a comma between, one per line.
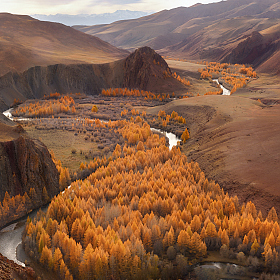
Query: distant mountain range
x=82, y=19
x=222, y=31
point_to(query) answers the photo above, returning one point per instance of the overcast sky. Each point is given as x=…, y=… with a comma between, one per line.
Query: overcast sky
x=91, y=6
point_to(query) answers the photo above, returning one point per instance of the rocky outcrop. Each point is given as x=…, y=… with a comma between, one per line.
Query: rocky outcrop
x=26, y=164
x=142, y=67
x=10, y=270
x=145, y=69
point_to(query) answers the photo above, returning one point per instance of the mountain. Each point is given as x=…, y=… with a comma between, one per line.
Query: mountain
x=27, y=42
x=213, y=31
x=144, y=69
x=82, y=19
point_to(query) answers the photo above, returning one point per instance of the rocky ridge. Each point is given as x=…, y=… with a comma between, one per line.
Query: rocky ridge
x=144, y=69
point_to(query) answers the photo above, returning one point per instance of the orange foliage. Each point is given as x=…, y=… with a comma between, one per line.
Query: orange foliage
x=236, y=75
x=183, y=81
x=133, y=92
x=109, y=225
x=65, y=104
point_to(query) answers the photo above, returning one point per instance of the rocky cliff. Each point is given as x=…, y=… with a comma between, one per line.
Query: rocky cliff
x=37, y=81
x=144, y=69
x=26, y=164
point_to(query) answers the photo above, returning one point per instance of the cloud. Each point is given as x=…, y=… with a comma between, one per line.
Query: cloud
x=120, y=2
x=90, y=6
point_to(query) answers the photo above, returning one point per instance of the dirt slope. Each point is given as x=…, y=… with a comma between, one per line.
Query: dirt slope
x=26, y=42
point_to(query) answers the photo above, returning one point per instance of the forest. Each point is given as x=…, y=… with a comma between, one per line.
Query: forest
x=148, y=213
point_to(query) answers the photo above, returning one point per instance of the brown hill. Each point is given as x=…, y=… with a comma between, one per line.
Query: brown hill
x=144, y=69
x=234, y=140
x=234, y=41
x=181, y=22
x=27, y=42
x=208, y=32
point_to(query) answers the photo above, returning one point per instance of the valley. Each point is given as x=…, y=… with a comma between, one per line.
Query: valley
x=212, y=122
x=154, y=154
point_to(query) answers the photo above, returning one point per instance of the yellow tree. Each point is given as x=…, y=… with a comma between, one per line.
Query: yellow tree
x=46, y=256
x=184, y=240
x=185, y=136
x=211, y=230
x=195, y=224
x=255, y=246
x=225, y=238
x=57, y=258
x=272, y=215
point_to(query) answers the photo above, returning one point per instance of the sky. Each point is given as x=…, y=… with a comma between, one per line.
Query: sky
x=72, y=7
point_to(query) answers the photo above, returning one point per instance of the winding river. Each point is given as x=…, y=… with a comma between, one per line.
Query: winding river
x=10, y=236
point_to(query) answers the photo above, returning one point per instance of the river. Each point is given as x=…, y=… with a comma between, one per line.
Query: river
x=10, y=237
x=172, y=138
x=9, y=115
x=225, y=91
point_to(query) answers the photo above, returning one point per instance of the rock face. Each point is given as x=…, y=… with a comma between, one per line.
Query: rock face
x=254, y=50
x=26, y=164
x=144, y=69
x=37, y=81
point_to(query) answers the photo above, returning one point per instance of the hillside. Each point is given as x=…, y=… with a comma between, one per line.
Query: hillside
x=210, y=32
x=27, y=42
x=144, y=69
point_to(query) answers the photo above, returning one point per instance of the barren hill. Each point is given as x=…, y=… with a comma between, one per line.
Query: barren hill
x=144, y=69
x=27, y=42
x=208, y=32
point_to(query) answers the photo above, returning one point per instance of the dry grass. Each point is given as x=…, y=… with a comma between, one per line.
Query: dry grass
x=62, y=142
